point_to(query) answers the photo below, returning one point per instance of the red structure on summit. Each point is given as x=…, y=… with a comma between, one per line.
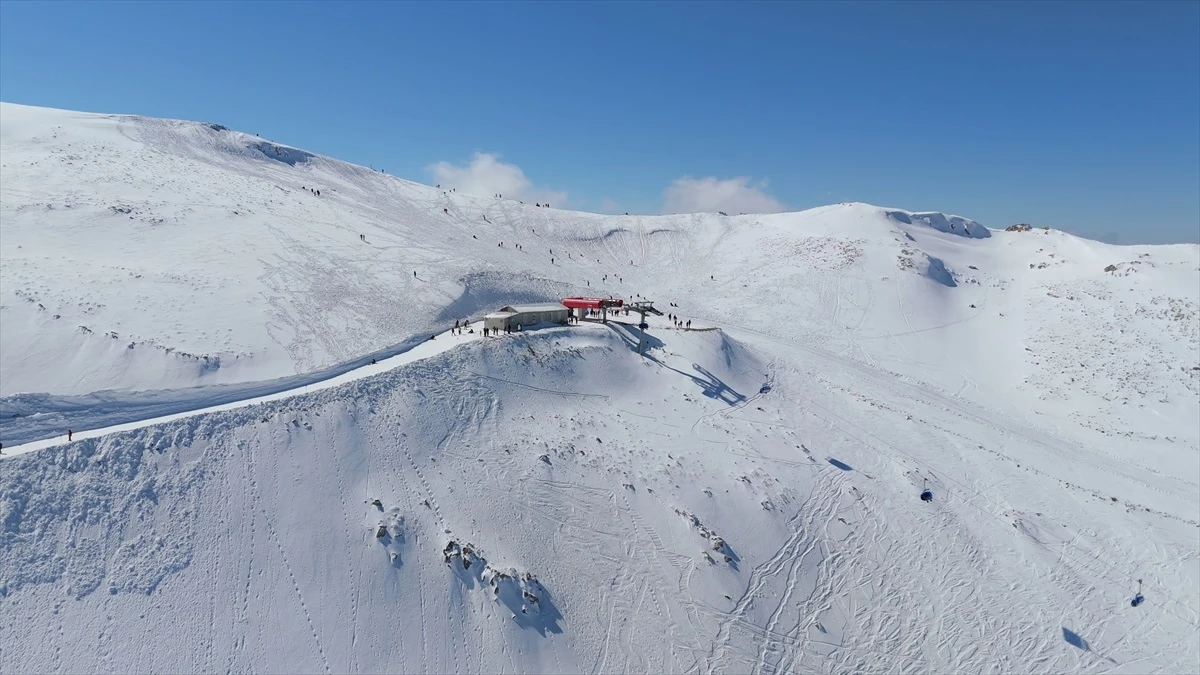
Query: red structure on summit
x=595, y=307
x=592, y=303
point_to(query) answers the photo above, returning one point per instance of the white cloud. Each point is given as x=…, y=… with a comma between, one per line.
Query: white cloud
x=486, y=175
x=610, y=206
x=709, y=195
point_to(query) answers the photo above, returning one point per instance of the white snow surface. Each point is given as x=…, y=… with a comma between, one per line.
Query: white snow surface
x=744, y=498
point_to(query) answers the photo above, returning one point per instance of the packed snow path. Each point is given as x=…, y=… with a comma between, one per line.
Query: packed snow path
x=192, y=407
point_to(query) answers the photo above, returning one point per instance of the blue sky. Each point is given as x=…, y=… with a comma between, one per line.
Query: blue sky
x=1083, y=116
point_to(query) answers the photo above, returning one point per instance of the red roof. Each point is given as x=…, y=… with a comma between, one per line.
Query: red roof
x=592, y=303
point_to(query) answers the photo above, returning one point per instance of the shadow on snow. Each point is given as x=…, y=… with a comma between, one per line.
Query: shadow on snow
x=510, y=589
x=710, y=385
x=841, y=465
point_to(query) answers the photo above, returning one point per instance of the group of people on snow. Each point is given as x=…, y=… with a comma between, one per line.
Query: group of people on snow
x=679, y=323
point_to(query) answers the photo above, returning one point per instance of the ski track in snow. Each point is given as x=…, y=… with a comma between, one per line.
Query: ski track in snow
x=177, y=296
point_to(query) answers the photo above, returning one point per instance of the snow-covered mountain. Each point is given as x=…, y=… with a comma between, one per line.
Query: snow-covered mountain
x=744, y=498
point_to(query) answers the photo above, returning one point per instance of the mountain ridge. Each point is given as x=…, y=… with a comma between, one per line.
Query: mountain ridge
x=342, y=485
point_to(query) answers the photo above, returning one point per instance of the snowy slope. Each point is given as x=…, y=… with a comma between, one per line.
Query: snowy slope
x=150, y=267
x=179, y=254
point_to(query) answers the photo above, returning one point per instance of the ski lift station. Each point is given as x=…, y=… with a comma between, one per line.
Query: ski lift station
x=512, y=316
x=580, y=307
x=518, y=317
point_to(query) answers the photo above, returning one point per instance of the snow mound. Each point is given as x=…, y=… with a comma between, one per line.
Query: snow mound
x=280, y=153
x=937, y=271
x=941, y=222
x=552, y=501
